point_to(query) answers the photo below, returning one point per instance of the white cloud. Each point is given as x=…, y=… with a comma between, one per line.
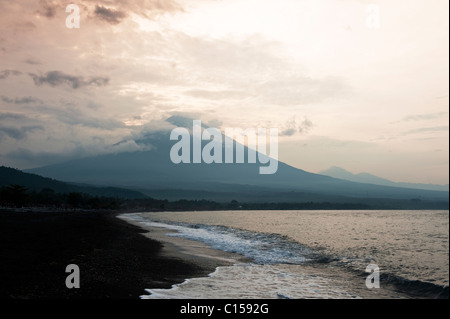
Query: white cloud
x=237, y=63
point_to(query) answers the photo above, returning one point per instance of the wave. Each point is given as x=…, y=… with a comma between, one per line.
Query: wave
x=252, y=281
x=262, y=248
x=415, y=288
x=270, y=248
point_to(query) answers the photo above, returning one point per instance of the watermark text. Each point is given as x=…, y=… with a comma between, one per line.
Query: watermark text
x=262, y=146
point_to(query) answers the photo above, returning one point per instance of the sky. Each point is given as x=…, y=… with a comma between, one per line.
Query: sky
x=358, y=84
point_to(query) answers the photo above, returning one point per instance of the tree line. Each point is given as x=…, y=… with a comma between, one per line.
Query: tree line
x=20, y=196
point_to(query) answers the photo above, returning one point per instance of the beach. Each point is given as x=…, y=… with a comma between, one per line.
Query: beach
x=307, y=254
x=115, y=259
x=130, y=256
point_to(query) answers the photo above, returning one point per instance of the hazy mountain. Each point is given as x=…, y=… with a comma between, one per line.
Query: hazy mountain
x=341, y=173
x=33, y=182
x=152, y=171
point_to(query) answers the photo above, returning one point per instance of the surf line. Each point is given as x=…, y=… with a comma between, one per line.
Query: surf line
x=257, y=142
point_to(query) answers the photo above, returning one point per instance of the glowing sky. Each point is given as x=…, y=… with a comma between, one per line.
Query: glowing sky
x=340, y=92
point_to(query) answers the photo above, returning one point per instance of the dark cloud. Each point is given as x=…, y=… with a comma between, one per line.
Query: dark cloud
x=18, y=133
x=109, y=15
x=144, y=8
x=115, y=11
x=183, y=119
x=288, y=132
x=6, y=73
x=98, y=81
x=24, y=100
x=57, y=78
x=93, y=105
x=49, y=8
x=12, y=116
x=31, y=61
x=291, y=127
x=305, y=126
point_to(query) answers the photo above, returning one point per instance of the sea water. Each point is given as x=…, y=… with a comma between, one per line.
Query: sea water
x=314, y=254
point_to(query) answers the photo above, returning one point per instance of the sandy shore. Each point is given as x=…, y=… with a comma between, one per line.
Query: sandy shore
x=117, y=259
x=195, y=252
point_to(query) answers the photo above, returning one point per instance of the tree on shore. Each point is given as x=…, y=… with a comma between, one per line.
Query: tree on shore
x=14, y=194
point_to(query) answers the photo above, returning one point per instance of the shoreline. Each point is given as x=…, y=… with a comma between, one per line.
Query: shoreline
x=393, y=287
x=203, y=255
x=117, y=260
x=193, y=251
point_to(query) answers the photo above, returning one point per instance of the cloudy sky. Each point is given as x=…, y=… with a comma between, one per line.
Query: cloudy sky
x=358, y=84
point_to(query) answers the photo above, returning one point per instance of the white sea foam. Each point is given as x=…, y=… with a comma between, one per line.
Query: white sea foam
x=261, y=248
x=251, y=281
x=275, y=273
x=341, y=244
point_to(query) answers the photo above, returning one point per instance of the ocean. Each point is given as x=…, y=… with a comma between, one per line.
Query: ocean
x=314, y=254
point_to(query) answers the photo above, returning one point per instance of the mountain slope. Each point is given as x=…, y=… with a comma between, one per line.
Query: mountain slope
x=153, y=170
x=11, y=176
x=338, y=172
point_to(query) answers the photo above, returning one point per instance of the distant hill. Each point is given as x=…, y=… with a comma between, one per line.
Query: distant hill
x=338, y=172
x=152, y=172
x=33, y=182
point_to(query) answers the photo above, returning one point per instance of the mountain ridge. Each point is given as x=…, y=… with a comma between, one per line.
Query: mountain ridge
x=364, y=177
x=11, y=176
x=152, y=169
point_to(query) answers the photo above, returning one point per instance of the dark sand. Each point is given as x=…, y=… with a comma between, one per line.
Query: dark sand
x=115, y=259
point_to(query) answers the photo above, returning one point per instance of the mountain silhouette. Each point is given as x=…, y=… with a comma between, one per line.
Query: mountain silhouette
x=11, y=176
x=338, y=172
x=152, y=172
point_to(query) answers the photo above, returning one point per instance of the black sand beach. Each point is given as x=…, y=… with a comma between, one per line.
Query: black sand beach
x=115, y=259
